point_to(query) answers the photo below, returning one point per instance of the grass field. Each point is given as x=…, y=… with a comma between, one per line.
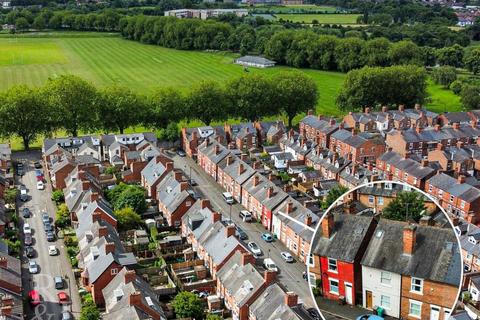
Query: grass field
x=338, y=18
x=290, y=8
x=105, y=60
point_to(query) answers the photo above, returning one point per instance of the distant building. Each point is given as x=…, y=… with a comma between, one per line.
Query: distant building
x=204, y=13
x=257, y=62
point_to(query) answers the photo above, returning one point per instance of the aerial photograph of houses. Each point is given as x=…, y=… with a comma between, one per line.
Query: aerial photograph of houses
x=388, y=250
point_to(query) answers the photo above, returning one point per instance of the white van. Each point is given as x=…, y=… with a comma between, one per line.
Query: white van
x=245, y=215
x=270, y=265
x=228, y=197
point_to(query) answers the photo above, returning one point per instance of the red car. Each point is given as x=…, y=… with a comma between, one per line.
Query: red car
x=34, y=297
x=62, y=297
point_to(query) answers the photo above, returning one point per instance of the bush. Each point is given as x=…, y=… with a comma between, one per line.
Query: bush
x=58, y=196
x=127, y=218
x=10, y=196
x=154, y=233
x=456, y=86
x=444, y=76
x=89, y=309
x=62, y=216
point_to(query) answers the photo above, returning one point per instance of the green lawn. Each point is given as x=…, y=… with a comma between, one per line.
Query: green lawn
x=105, y=60
x=290, y=8
x=329, y=18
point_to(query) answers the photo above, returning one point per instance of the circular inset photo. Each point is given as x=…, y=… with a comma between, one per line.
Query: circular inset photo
x=385, y=250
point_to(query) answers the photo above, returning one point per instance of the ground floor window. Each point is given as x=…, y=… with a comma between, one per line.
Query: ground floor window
x=385, y=301
x=333, y=286
x=415, y=309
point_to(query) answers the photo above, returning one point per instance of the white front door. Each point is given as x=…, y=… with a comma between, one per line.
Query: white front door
x=434, y=313
x=348, y=293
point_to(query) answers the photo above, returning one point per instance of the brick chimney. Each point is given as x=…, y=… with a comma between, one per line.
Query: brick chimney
x=384, y=109
x=456, y=125
x=320, y=117
x=240, y=169
x=461, y=178
x=169, y=166
x=460, y=144
x=94, y=196
x=310, y=112
x=455, y=221
x=291, y=299
x=4, y=262
x=130, y=276
x=401, y=107
x=308, y=220
x=424, y=163
x=247, y=258
x=419, y=129
x=102, y=231
x=289, y=207
x=85, y=185
x=332, y=122
x=109, y=247
x=471, y=218
x=367, y=110
x=229, y=160
x=135, y=298
x=216, y=216
x=217, y=149
x=269, y=277
x=440, y=146
x=204, y=203
x=178, y=175
x=270, y=177
x=269, y=192
x=229, y=231
x=256, y=165
x=244, y=157
x=256, y=180
x=328, y=224
x=183, y=186
x=473, y=124
x=96, y=216
x=409, y=239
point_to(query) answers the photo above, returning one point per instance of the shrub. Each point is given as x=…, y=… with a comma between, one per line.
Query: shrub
x=444, y=76
x=58, y=196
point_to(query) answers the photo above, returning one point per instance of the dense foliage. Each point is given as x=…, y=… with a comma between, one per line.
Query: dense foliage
x=405, y=207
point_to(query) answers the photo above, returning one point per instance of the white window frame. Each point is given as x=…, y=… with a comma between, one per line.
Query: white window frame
x=414, y=302
x=380, y=201
x=386, y=306
x=312, y=278
x=414, y=285
x=388, y=279
x=330, y=286
x=332, y=262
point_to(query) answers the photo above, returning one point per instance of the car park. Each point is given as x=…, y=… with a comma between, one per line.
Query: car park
x=227, y=196
x=254, y=248
x=26, y=213
x=29, y=252
x=50, y=236
x=34, y=297
x=62, y=298
x=245, y=215
x=32, y=266
x=242, y=235
x=58, y=282
x=26, y=228
x=52, y=251
x=40, y=185
x=270, y=265
x=287, y=256
x=267, y=237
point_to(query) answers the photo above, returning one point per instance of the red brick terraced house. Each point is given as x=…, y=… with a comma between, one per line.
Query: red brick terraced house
x=209, y=155
x=318, y=128
x=153, y=174
x=449, y=118
x=232, y=174
x=455, y=160
x=327, y=162
x=338, y=250
x=197, y=220
x=469, y=235
x=363, y=148
x=11, y=300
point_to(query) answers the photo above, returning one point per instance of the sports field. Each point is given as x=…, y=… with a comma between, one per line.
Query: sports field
x=329, y=18
x=296, y=8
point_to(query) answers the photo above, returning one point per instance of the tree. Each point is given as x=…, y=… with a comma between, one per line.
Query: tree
x=10, y=195
x=333, y=195
x=39, y=23
x=295, y=92
x=118, y=108
x=131, y=196
x=187, y=304
x=348, y=54
x=406, y=206
x=164, y=105
x=23, y=112
x=444, y=75
x=128, y=218
x=170, y=133
x=89, y=310
x=470, y=97
x=252, y=97
x=62, y=216
x=399, y=85
x=207, y=102
x=21, y=24
x=58, y=196
x=212, y=316
x=73, y=100
x=376, y=52
x=405, y=52
x=451, y=56
x=472, y=60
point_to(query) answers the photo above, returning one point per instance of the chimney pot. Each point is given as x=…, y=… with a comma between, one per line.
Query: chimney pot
x=169, y=166
x=204, y=203
x=256, y=180
x=130, y=276
x=229, y=231
x=269, y=192
x=308, y=219
x=328, y=223
x=178, y=176
x=269, y=277
x=409, y=239
x=461, y=178
x=291, y=299
x=240, y=169
x=216, y=216
x=109, y=247
x=247, y=258
x=3, y=262
x=183, y=186
x=229, y=160
x=289, y=208
x=135, y=298
x=102, y=231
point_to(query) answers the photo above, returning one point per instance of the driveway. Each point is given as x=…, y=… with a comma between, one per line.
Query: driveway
x=49, y=266
x=290, y=275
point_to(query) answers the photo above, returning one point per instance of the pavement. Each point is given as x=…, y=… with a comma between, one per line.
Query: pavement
x=290, y=274
x=49, y=266
x=333, y=310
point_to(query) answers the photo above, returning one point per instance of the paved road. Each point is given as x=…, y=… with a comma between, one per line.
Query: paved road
x=49, y=266
x=290, y=273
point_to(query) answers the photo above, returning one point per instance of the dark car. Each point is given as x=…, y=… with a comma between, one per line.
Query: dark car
x=50, y=236
x=37, y=165
x=26, y=213
x=48, y=227
x=29, y=252
x=20, y=170
x=45, y=217
x=181, y=153
x=314, y=313
x=242, y=235
x=58, y=282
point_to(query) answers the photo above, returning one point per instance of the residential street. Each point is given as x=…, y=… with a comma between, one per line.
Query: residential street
x=49, y=266
x=290, y=275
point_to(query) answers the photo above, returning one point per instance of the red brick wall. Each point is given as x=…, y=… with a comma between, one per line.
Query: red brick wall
x=102, y=282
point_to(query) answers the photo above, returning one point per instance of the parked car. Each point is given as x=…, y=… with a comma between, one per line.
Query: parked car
x=48, y=226
x=62, y=298
x=286, y=256
x=181, y=153
x=267, y=237
x=34, y=297
x=26, y=213
x=29, y=252
x=314, y=313
x=45, y=217
x=242, y=235
x=26, y=228
x=58, y=282
x=254, y=248
x=23, y=194
x=52, y=251
x=28, y=239
x=269, y=264
x=32, y=266
x=66, y=315
x=227, y=196
x=40, y=185
x=39, y=175
x=192, y=182
x=37, y=165
x=369, y=317
x=245, y=215
x=50, y=236
x=20, y=169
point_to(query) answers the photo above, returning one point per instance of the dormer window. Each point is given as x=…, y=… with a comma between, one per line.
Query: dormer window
x=472, y=240
x=348, y=170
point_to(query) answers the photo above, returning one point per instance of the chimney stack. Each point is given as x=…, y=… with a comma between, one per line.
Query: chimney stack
x=204, y=203
x=310, y=112
x=94, y=196
x=291, y=299
x=178, y=175
x=367, y=110
x=289, y=208
x=401, y=107
x=332, y=122
x=320, y=117
x=256, y=165
x=418, y=107
x=473, y=124
x=269, y=277
x=437, y=127
x=85, y=185
x=183, y=186
x=269, y=192
x=384, y=109
x=169, y=166
x=102, y=231
x=216, y=216
x=229, y=231
x=456, y=125
x=256, y=180
x=308, y=219
x=455, y=221
x=229, y=160
x=109, y=247
x=409, y=239
x=240, y=169
x=217, y=149
x=424, y=163
x=130, y=276
x=135, y=298
x=461, y=178
x=96, y=216
x=247, y=258
x=328, y=224
x=419, y=129
x=4, y=262
x=460, y=144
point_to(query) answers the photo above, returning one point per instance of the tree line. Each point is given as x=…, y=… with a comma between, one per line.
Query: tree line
x=72, y=104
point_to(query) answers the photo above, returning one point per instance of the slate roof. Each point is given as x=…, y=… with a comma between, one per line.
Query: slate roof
x=459, y=117
x=216, y=243
x=259, y=191
x=209, y=151
x=85, y=216
x=153, y=171
x=412, y=167
x=51, y=144
x=429, y=134
x=241, y=282
x=349, y=232
x=322, y=125
x=324, y=158
x=270, y=305
x=360, y=176
x=117, y=285
x=356, y=140
x=232, y=169
x=436, y=255
x=13, y=273
x=170, y=193
x=463, y=191
x=299, y=213
x=467, y=230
